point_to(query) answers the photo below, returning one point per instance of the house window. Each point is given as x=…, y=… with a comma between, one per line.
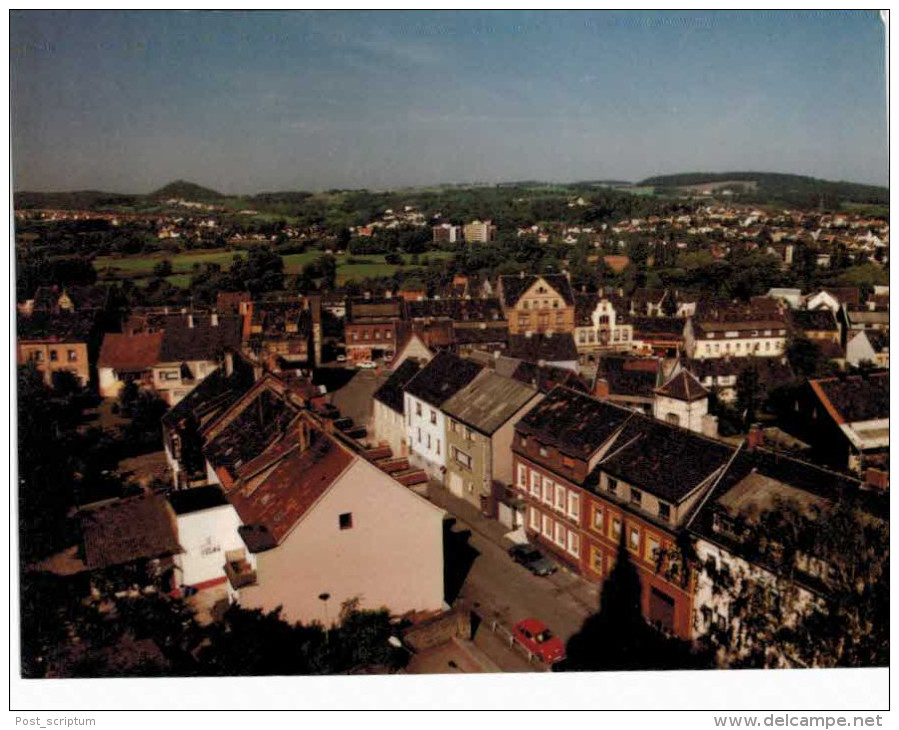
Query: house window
x=560, y=498
x=548, y=491
x=596, y=560
x=54, y=356
x=616, y=528
x=377, y=334
x=429, y=442
x=547, y=527
x=388, y=335
x=535, y=484
x=522, y=476
x=544, y=451
x=598, y=518
x=633, y=541
x=574, y=543
x=454, y=427
x=469, y=436
x=664, y=511
x=418, y=409
x=438, y=447
x=38, y=356
x=611, y=485
x=574, y=506
x=636, y=496
x=567, y=462
x=419, y=435
x=433, y=417
x=535, y=519
x=346, y=521
x=560, y=535
x=652, y=548
x=523, y=441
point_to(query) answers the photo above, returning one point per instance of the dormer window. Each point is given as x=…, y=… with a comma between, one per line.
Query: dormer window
x=636, y=497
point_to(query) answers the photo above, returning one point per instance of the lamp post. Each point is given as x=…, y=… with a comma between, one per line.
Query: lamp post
x=323, y=597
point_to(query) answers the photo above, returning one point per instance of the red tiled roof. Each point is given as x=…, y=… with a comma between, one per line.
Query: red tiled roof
x=130, y=352
x=285, y=494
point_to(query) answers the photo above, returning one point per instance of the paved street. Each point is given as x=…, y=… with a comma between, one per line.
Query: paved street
x=481, y=574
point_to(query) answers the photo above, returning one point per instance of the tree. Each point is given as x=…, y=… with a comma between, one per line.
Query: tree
x=773, y=621
x=805, y=357
x=162, y=269
x=749, y=393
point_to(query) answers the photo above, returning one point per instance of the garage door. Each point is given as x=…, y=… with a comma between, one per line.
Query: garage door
x=661, y=609
x=455, y=484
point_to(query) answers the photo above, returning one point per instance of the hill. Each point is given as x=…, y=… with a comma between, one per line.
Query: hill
x=798, y=190
x=73, y=200
x=186, y=190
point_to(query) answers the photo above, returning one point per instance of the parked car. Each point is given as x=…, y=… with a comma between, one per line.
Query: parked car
x=366, y=365
x=532, y=559
x=536, y=637
x=341, y=358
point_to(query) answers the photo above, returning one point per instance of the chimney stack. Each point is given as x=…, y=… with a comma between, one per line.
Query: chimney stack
x=755, y=437
x=190, y=321
x=601, y=388
x=214, y=319
x=303, y=434
x=229, y=363
x=877, y=479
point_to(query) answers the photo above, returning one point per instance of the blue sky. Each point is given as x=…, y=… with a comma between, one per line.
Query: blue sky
x=245, y=102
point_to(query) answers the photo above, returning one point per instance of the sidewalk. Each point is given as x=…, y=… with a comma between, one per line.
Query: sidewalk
x=584, y=593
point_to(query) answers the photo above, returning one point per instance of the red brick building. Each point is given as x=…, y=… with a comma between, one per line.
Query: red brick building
x=593, y=474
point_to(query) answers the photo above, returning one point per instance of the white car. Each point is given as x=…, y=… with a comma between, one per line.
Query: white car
x=366, y=365
x=341, y=358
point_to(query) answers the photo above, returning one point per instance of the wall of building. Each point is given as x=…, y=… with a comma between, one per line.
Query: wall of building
x=687, y=414
x=389, y=426
x=426, y=439
x=206, y=537
x=473, y=481
x=70, y=356
x=391, y=556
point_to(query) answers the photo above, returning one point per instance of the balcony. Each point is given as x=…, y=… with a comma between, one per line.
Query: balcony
x=240, y=573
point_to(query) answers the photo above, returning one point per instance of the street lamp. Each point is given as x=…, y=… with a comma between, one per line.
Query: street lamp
x=323, y=597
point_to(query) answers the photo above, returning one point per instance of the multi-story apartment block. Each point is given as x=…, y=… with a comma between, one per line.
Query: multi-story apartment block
x=594, y=475
x=737, y=335
x=479, y=232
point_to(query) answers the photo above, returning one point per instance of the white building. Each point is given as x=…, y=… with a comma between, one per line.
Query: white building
x=868, y=346
x=682, y=401
x=425, y=393
x=765, y=336
x=214, y=556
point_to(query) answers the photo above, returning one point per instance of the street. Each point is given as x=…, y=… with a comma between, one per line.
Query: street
x=481, y=574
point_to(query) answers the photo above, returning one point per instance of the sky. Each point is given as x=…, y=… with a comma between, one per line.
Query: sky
x=245, y=102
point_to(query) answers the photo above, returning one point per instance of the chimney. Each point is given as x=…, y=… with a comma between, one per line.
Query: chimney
x=303, y=434
x=229, y=363
x=214, y=319
x=601, y=388
x=877, y=479
x=521, y=274
x=190, y=321
x=710, y=425
x=755, y=437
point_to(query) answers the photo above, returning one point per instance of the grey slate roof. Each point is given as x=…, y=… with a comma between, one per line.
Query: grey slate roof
x=488, y=401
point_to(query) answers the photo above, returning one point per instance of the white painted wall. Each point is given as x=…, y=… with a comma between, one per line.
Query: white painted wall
x=428, y=453
x=206, y=536
x=689, y=415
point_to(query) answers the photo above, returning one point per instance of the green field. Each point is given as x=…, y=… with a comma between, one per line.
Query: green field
x=140, y=267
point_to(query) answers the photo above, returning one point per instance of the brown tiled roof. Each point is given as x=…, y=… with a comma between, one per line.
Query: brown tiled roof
x=844, y=294
x=685, y=387
x=558, y=347
x=856, y=397
x=629, y=376
x=127, y=530
x=130, y=352
x=546, y=377
x=662, y=459
x=573, y=422
x=72, y=327
x=814, y=320
x=283, y=495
